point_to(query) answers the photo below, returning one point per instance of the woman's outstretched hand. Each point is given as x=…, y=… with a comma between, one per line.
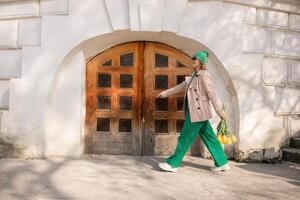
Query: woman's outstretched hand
x=161, y=95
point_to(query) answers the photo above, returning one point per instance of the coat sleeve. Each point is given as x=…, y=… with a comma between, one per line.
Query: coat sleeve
x=175, y=90
x=211, y=93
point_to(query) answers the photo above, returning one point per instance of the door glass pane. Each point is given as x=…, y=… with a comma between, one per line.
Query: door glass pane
x=161, y=60
x=161, y=104
x=124, y=125
x=125, y=103
x=126, y=60
x=179, y=125
x=179, y=103
x=161, y=82
x=103, y=124
x=104, y=80
x=126, y=80
x=179, y=64
x=161, y=126
x=103, y=102
x=108, y=63
x=180, y=79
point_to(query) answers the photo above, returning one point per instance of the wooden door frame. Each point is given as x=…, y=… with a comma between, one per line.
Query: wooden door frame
x=141, y=79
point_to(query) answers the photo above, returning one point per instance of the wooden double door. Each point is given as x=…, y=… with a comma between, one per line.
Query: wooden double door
x=122, y=114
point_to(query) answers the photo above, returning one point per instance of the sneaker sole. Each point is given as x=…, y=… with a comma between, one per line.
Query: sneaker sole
x=166, y=170
x=221, y=170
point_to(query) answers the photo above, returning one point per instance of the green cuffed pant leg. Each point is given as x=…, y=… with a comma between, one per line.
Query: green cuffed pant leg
x=213, y=145
x=187, y=136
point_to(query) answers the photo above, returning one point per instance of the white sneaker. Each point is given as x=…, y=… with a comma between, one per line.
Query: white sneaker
x=221, y=168
x=166, y=167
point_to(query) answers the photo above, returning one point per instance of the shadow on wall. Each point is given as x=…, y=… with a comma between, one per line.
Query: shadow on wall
x=264, y=132
x=6, y=149
x=283, y=101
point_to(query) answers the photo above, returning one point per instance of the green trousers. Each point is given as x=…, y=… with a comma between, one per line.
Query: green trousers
x=187, y=136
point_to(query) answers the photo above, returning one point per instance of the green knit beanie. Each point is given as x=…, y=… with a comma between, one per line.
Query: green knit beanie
x=202, y=56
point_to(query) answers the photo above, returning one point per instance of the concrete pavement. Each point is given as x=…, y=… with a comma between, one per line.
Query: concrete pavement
x=94, y=177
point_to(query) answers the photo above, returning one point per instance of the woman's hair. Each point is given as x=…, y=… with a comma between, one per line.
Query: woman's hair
x=203, y=65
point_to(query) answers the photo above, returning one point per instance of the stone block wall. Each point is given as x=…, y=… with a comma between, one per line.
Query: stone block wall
x=269, y=48
x=272, y=29
x=20, y=27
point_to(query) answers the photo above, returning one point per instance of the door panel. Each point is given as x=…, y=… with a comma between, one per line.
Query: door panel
x=165, y=67
x=123, y=115
x=114, y=100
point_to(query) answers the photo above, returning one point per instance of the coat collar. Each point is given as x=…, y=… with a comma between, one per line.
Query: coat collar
x=202, y=71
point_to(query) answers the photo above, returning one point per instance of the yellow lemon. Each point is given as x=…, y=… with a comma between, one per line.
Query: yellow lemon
x=219, y=137
x=224, y=139
x=229, y=140
x=233, y=138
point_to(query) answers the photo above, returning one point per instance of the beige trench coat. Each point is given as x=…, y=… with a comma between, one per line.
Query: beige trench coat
x=200, y=92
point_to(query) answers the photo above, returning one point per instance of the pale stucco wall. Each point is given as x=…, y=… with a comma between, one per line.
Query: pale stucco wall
x=255, y=42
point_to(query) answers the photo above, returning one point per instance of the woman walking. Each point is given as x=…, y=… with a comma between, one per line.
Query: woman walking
x=196, y=108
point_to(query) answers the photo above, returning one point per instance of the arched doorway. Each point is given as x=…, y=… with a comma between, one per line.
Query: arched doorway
x=65, y=123
x=122, y=114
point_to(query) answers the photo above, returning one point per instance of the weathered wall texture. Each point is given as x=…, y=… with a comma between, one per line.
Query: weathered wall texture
x=44, y=44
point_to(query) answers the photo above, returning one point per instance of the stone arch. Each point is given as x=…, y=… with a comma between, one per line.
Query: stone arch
x=69, y=80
